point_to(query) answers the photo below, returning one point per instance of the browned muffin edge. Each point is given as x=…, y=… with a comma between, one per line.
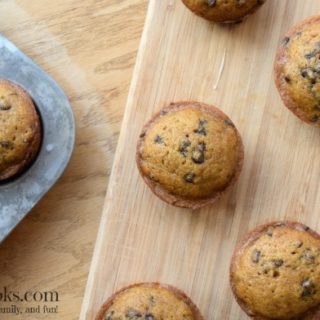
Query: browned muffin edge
x=177, y=292
x=279, y=77
x=247, y=240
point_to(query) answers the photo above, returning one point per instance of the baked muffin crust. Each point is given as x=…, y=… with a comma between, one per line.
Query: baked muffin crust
x=149, y=301
x=223, y=11
x=297, y=70
x=20, y=130
x=275, y=272
x=189, y=154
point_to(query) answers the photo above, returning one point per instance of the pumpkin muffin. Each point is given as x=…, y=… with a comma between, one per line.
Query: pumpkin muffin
x=297, y=70
x=20, y=130
x=275, y=272
x=223, y=11
x=149, y=301
x=189, y=154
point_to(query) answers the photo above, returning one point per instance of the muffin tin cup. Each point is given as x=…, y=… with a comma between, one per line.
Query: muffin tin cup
x=20, y=194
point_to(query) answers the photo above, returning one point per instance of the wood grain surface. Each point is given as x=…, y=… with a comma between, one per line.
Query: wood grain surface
x=89, y=47
x=143, y=239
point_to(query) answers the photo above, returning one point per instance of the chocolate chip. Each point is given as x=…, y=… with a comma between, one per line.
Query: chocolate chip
x=275, y=273
x=270, y=232
x=153, y=177
x=307, y=73
x=142, y=135
x=4, y=104
x=313, y=76
x=6, y=144
x=212, y=3
x=152, y=300
x=158, y=139
x=149, y=316
x=278, y=262
x=133, y=314
x=197, y=156
x=317, y=68
x=183, y=147
x=308, y=256
x=287, y=79
x=285, y=41
x=229, y=123
x=198, y=153
x=299, y=244
x=312, y=54
x=108, y=316
x=308, y=288
x=309, y=55
x=255, y=256
x=266, y=270
x=201, y=127
x=189, y=177
x=314, y=118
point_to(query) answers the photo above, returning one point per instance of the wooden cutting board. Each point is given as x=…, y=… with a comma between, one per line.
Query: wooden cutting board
x=183, y=57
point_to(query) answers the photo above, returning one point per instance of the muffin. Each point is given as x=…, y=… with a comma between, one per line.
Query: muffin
x=20, y=130
x=189, y=154
x=149, y=301
x=297, y=70
x=223, y=11
x=275, y=272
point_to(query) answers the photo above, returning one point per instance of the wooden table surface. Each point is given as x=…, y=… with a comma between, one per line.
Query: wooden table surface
x=89, y=48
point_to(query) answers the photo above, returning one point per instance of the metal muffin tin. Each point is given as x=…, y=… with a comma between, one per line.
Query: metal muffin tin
x=20, y=195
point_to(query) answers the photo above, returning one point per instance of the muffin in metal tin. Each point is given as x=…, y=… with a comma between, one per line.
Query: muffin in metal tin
x=20, y=130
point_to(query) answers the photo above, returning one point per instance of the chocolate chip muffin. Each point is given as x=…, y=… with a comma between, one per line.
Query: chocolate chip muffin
x=189, y=154
x=20, y=130
x=297, y=70
x=223, y=11
x=275, y=272
x=149, y=301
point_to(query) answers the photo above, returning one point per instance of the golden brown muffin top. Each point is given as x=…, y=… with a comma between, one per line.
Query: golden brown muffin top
x=297, y=68
x=275, y=273
x=191, y=150
x=223, y=10
x=19, y=129
x=149, y=302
